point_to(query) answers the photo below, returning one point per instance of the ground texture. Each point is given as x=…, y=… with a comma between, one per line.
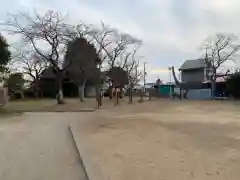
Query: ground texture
x=38, y=147
x=163, y=141
x=158, y=140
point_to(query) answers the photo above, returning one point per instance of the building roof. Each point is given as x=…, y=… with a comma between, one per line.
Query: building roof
x=193, y=64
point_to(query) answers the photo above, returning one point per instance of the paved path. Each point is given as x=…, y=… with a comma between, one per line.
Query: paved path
x=40, y=147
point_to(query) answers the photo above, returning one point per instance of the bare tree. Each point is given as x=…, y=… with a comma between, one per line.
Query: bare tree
x=112, y=48
x=120, y=44
x=109, y=42
x=130, y=63
x=120, y=52
x=101, y=38
x=44, y=33
x=31, y=64
x=219, y=49
x=81, y=30
x=133, y=78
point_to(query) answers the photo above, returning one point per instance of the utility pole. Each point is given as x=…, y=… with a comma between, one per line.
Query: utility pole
x=144, y=82
x=144, y=75
x=170, y=78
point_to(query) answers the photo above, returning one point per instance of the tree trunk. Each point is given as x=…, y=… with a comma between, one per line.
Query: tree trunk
x=110, y=92
x=213, y=88
x=213, y=84
x=185, y=94
x=141, y=95
x=150, y=94
x=36, y=89
x=117, y=94
x=101, y=97
x=36, y=94
x=81, y=89
x=130, y=95
x=180, y=93
x=22, y=94
x=60, y=91
x=121, y=93
x=41, y=94
x=98, y=96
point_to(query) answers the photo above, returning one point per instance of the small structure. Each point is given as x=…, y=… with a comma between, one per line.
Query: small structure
x=165, y=90
x=195, y=80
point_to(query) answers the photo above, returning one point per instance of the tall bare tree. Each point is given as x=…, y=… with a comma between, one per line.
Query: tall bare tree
x=101, y=38
x=120, y=44
x=44, y=33
x=129, y=61
x=220, y=49
x=133, y=77
x=112, y=47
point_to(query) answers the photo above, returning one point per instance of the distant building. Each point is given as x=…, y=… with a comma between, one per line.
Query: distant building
x=196, y=80
x=195, y=71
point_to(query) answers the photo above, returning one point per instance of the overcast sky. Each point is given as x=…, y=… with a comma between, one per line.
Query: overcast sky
x=172, y=30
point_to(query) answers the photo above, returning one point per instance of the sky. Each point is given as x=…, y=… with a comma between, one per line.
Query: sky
x=172, y=30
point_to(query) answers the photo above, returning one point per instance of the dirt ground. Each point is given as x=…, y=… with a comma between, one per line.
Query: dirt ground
x=71, y=105
x=154, y=140
x=163, y=140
